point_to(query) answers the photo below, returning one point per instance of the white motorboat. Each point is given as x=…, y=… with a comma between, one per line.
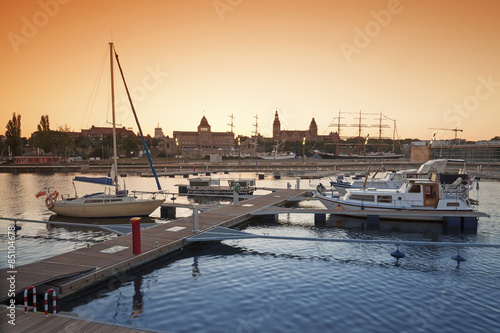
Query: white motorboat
x=417, y=195
x=275, y=154
x=113, y=201
x=391, y=180
x=395, y=179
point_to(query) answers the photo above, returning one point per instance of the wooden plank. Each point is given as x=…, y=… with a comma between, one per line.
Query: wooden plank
x=37, y=322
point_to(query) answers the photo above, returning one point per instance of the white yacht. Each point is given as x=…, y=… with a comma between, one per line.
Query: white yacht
x=416, y=195
x=395, y=179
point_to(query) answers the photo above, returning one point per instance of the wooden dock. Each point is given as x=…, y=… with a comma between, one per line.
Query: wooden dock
x=74, y=271
x=37, y=322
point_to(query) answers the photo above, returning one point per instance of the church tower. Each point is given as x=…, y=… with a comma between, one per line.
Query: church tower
x=276, y=127
x=204, y=134
x=313, y=130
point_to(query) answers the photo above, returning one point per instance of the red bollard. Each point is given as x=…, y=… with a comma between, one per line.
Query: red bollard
x=136, y=235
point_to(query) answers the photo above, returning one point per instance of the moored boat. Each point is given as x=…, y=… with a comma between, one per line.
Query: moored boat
x=113, y=202
x=417, y=195
x=201, y=185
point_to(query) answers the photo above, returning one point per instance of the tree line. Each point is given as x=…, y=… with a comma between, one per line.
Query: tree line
x=63, y=142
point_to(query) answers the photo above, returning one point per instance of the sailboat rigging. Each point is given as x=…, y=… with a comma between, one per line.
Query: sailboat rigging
x=107, y=204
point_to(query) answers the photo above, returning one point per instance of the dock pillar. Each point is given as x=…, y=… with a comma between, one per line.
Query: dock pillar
x=469, y=222
x=167, y=212
x=235, y=198
x=136, y=235
x=319, y=218
x=270, y=217
x=452, y=222
x=373, y=219
x=298, y=183
x=195, y=218
x=288, y=186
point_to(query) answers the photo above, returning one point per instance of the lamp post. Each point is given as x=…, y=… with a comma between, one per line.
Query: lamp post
x=177, y=144
x=366, y=141
x=239, y=151
x=303, y=150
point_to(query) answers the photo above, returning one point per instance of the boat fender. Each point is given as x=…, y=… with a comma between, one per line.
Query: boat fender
x=49, y=202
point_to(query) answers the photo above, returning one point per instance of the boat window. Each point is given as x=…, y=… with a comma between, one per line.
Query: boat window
x=362, y=197
x=384, y=199
x=199, y=183
x=452, y=204
x=430, y=192
x=414, y=189
x=100, y=200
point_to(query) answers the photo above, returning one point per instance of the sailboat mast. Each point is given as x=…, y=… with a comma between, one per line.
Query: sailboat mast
x=114, y=174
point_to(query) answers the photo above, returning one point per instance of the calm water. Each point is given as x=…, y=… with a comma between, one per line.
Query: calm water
x=283, y=286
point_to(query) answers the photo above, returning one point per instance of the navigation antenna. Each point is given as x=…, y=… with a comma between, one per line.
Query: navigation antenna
x=231, y=123
x=256, y=133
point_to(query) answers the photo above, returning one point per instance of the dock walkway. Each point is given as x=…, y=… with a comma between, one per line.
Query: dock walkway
x=73, y=271
x=37, y=322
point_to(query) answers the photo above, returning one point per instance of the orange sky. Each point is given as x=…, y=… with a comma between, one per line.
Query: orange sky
x=426, y=63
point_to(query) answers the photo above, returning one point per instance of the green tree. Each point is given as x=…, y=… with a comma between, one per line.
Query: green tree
x=63, y=143
x=43, y=138
x=130, y=146
x=13, y=134
x=44, y=125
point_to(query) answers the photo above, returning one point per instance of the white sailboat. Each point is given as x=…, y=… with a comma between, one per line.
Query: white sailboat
x=113, y=202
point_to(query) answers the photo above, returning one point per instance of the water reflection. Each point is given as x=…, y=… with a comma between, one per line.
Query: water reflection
x=137, y=303
x=196, y=270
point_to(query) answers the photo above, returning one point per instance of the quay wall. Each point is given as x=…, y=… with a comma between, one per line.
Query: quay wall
x=310, y=165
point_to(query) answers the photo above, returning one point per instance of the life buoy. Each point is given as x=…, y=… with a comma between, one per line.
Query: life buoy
x=49, y=202
x=54, y=195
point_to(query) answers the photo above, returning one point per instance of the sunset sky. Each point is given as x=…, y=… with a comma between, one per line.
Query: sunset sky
x=425, y=63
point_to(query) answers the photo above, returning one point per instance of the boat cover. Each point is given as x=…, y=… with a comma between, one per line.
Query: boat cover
x=94, y=180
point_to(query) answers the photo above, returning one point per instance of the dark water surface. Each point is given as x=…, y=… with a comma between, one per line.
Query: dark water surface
x=285, y=286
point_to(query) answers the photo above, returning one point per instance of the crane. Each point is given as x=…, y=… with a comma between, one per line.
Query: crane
x=450, y=129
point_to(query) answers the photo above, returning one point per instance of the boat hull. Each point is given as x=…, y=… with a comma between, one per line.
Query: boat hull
x=137, y=208
x=406, y=213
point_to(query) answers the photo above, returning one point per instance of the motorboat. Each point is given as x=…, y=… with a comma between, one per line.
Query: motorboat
x=415, y=195
x=275, y=154
x=395, y=179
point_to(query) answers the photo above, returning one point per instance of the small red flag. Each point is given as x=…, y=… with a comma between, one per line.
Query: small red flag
x=39, y=194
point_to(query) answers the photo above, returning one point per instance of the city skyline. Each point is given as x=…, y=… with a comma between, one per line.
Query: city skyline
x=426, y=64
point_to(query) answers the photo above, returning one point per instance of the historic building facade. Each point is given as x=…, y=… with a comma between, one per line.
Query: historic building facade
x=204, y=141
x=297, y=135
x=96, y=134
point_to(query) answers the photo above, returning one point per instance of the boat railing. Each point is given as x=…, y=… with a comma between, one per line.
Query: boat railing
x=150, y=194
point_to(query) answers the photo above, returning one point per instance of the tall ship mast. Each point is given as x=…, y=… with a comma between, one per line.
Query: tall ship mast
x=355, y=143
